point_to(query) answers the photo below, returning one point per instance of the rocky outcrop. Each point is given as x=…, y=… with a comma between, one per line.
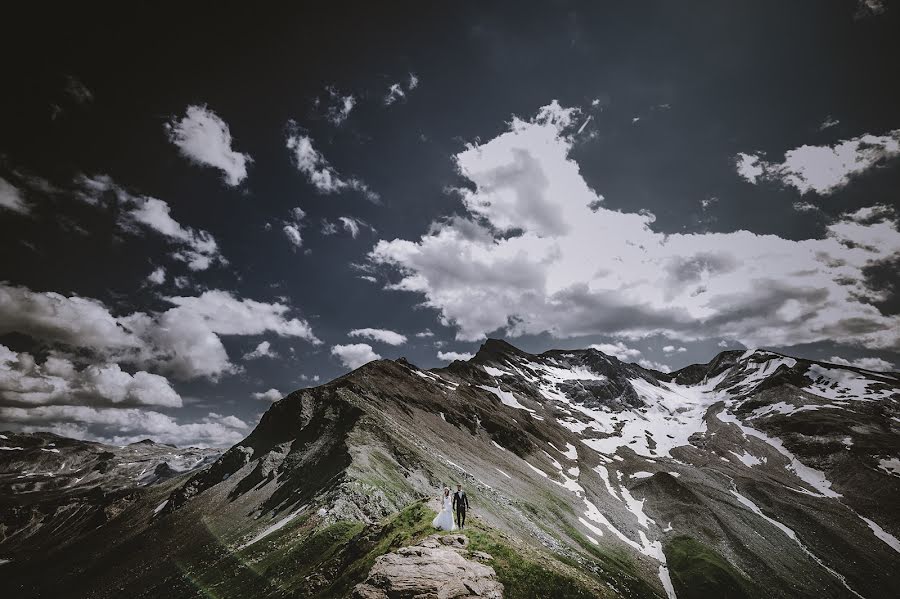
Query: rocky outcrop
x=433, y=569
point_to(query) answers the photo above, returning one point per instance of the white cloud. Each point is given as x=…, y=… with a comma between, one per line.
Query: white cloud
x=317, y=169
x=354, y=225
x=413, y=82
x=292, y=232
x=671, y=349
x=263, y=350
x=205, y=139
x=450, y=356
x=183, y=340
x=425, y=333
x=119, y=426
x=618, y=350
x=805, y=207
x=537, y=253
x=823, y=169
x=201, y=249
x=869, y=8
x=328, y=228
x=292, y=228
x=198, y=248
x=876, y=364
x=11, y=198
x=340, y=108
x=654, y=365
x=749, y=167
x=395, y=92
x=828, y=123
x=354, y=355
x=23, y=381
x=270, y=395
x=382, y=335
x=158, y=276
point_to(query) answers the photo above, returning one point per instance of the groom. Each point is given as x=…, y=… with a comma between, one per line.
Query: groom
x=460, y=504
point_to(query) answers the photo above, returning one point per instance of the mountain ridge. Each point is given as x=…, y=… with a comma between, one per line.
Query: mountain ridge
x=572, y=452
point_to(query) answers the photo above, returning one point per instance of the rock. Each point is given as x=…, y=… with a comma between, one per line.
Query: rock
x=455, y=541
x=482, y=556
x=430, y=570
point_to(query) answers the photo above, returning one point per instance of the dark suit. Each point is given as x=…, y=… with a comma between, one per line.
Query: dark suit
x=460, y=504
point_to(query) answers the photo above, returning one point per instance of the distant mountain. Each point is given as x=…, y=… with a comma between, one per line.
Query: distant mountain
x=754, y=475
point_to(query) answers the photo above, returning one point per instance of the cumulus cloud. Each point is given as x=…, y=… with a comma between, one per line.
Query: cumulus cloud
x=24, y=381
x=158, y=276
x=197, y=248
x=424, y=334
x=12, y=198
x=263, y=350
x=292, y=227
x=537, y=252
x=654, y=365
x=876, y=364
x=618, y=350
x=292, y=232
x=318, y=170
x=119, y=426
x=270, y=395
x=823, y=169
x=354, y=355
x=671, y=349
x=205, y=139
x=450, y=356
x=184, y=340
x=381, y=335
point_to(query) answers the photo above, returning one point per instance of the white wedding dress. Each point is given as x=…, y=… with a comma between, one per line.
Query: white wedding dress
x=444, y=519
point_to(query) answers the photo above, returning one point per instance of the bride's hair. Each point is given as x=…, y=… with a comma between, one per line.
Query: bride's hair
x=446, y=490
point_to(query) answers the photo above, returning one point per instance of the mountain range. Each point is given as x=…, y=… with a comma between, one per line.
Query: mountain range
x=754, y=475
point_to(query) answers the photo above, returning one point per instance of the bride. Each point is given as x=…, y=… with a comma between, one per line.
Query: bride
x=444, y=519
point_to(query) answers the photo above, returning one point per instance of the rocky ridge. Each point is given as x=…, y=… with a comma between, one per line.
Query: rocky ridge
x=766, y=470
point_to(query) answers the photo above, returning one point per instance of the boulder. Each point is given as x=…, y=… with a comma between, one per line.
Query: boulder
x=430, y=570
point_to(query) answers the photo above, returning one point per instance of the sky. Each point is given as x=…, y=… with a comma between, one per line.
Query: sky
x=203, y=209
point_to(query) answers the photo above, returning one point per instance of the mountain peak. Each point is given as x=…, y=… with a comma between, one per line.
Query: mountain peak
x=492, y=349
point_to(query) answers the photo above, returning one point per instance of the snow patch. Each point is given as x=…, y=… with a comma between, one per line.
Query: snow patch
x=747, y=458
x=274, y=527
x=495, y=371
x=882, y=534
x=506, y=398
x=889, y=465
x=539, y=471
x=814, y=478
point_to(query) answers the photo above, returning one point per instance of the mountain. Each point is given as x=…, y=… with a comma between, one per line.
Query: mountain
x=754, y=475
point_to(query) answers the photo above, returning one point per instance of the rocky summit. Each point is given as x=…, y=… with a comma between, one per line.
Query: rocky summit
x=754, y=475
